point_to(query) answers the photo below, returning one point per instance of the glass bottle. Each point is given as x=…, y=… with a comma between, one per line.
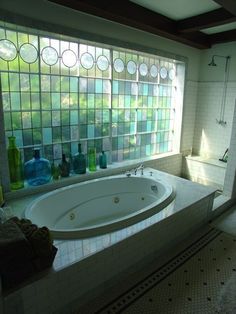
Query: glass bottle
x=15, y=165
x=37, y=170
x=92, y=159
x=103, y=160
x=79, y=161
x=64, y=167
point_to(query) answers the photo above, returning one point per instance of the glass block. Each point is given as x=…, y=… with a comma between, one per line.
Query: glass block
x=66, y=149
x=65, y=101
x=48, y=152
x=106, y=116
x=57, y=151
x=47, y=135
x=65, y=133
x=46, y=101
x=26, y=120
x=14, y=80
x=45, y=83
x=16, y=121
x=91, y=130
x=25, y=101
x=83, y=101
x=98, y=100
x=98, y=130
x=65, y=84
x=74, y=117
x=105, y=129
x=106, y=145
x=56, y=100
x=27, y=137
x=83, y=82
x=74, y=133
x=106, y=101
x=127, y=101
x=7, y=121
x=121, y=101
x=65, y=117
x=46, y=119
x=15, y=101
x=73, y=98
x=6, y=101
x=56, y=118
x=37, y=136
x=106, y=87
x=91, y=100
x=74, y=84
x=83, y=131
x=115, y=87
x=24, y=82
x=5, y=82
x=98, y=86
x=19, y=138
x=115, y=101
x=55, y=83
x=35, y=101
x=56, y=134
x=91, y=116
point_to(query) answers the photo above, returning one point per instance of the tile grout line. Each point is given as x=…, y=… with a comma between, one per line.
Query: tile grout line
x=139, y=289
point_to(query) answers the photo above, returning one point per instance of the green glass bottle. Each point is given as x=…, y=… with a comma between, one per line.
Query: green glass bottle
x=92, y=159
x=15, y=165
x=79, y=161
x=103, y=160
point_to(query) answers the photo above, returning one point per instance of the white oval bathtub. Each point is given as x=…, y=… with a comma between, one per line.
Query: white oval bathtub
x=99, y=206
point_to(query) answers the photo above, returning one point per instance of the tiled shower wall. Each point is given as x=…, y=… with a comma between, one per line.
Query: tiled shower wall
x=210, y=138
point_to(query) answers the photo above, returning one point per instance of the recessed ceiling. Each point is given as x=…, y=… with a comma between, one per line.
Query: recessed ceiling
x=197, y=23
x=178, y=9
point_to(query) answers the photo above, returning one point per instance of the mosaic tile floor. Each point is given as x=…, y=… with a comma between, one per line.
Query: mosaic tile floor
x=200, y=279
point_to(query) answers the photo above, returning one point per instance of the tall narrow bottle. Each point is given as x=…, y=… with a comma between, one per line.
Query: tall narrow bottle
x=79, y=161
x=103, y=160
x=92, y=159
x=15, y=165
x=37, y=170
x=64, y=167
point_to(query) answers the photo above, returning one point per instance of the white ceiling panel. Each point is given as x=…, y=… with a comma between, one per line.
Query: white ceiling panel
x=178, y=9
x=219, y=29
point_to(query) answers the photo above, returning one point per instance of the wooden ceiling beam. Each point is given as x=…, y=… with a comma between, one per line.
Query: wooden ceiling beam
x=229, y=5
x=133, y=15
x=223, y=37
x=210, y=19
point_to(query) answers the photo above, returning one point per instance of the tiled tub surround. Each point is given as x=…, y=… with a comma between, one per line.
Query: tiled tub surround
x=206, y=171
x=84, y=268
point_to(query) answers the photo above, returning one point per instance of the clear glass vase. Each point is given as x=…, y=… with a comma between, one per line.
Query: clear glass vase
x=15, y=165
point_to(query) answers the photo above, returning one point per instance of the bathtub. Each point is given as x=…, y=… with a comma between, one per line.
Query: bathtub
x=99, y=206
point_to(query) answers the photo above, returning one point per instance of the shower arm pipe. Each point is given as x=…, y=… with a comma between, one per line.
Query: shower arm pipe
x=226, y=75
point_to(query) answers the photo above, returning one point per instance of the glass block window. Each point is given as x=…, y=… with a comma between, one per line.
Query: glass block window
x=57, y=93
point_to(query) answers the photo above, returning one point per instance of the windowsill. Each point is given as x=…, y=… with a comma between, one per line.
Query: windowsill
x=112, y=169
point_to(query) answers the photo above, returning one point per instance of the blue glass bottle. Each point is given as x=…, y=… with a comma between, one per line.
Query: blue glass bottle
x=37, y=170
x=103, y=160
x=79, y=161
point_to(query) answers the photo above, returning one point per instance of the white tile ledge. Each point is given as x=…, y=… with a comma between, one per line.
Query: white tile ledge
x=210, y=161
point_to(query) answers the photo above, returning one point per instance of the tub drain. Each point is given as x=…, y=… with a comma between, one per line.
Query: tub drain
x=116, y=200
x=72, y=216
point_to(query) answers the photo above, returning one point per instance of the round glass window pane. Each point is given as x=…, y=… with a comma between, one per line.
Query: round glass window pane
x=171, y=74
x=154, y=71
x=131, y=67
x=8, y=50
x=69, y=58
x=119, y=65
x=143, y=69
x=87, y=60
x=28, y=53
x=163, y=72
x=102, y=63
x=49, y=55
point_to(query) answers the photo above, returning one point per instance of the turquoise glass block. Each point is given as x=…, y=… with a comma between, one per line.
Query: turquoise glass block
x=98, y=116
x=65, y=101
x=121, y=101
x=73, y=99
x=127, y=101
x=56, y=100
x=15, y=101
x=115, y=115
x=35, y=101
x=74, y=84
x=65, y=117
x=91, y=100
x=6, y=101
x=98, y=100
x=74, y=117
x=149, y=126
x=121, y=129
x=46, y=119
x=98, y=86
x=148, y=150
x=91, y=116
x=19, y=138
x=155, y=90
x=47, y=135
x=120, y=143
x=115, y=87
x=106, y=87
x=91, y=130
x=132, y=127
x=105, y=116
x=149, y=101
x=127, y=88
x=83, y=116
x=98, y=130
x=145, y=89
x=121, y=87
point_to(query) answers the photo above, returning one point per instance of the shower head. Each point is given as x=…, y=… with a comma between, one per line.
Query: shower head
x=212, y=63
